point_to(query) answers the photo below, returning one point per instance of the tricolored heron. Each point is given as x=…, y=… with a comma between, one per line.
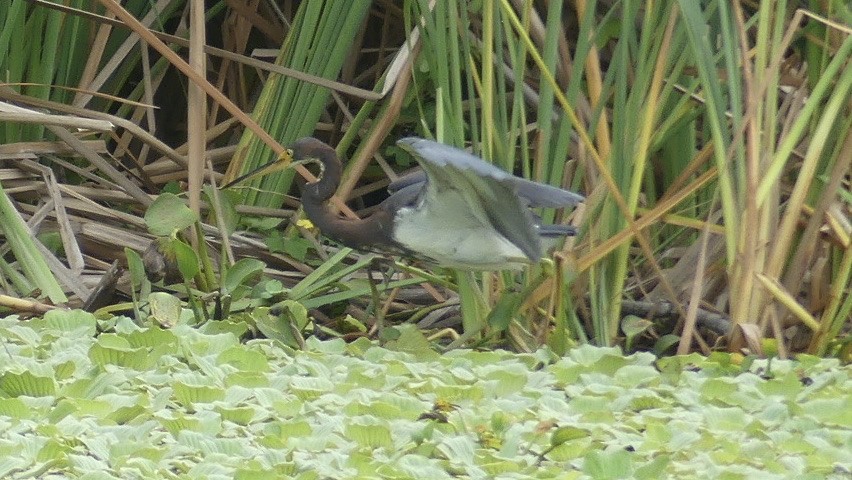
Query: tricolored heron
x=459, y=212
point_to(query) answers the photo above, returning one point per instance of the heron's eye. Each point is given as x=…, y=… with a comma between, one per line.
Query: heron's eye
x=290, y=152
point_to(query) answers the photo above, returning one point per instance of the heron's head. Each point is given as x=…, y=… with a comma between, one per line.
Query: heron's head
x=310, y=150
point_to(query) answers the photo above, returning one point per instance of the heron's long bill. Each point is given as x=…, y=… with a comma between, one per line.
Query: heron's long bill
x=285, y=160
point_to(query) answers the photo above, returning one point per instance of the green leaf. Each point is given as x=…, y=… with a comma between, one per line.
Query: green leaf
x=370, y=436
x=411, y=340
x=311, y=388
x=830, y=411
x=238, y=415
x=654, y=469
x=633, y=326
x=64, y=370
x=666, y=342
x=245, y=359
x=236, y=328
x=187, y=259
x=165, y=309
x=27, y=384
x=243, y=271
x=123, y=415
x=286, y=326
x=292, y=245
x=14, y=408
x=501, y=315
x=151, y=337
x=68, y=321
x=168, y=214
x=135, y=266
x=608, y=464
x=566, y=434
x=113, y=350
x=191, y=394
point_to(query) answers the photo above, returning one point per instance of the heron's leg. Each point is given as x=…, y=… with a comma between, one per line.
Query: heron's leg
x=376, y=265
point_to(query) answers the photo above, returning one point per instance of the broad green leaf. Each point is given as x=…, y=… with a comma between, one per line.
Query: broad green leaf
x=370, y=435
x=167, y=215
x=69, y=320
x=654, y=469
x=633, y=326
x=134, y=265
x=608, y=464
x=411, y=340
x=191, y=394
x=187, y=259
x=286, y=325
x=14, y=408
x=238, y=415
x=242, y=272
x=25, y=383
x=501, y=315
x=114, y=350
x=245, y=359
x=150, y=337
x=165, y=309
x=566, y=434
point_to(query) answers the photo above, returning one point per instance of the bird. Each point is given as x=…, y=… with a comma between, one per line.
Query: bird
x=458, y=212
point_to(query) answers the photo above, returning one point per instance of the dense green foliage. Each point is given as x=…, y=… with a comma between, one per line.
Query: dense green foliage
x=712, y=139
x=197, y=402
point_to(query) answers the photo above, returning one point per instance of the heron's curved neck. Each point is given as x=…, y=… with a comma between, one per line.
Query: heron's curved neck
x=362, y=233
x=355, y=233
x=329, y=176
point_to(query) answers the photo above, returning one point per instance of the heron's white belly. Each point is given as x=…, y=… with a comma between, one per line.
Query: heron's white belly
x=458, y=241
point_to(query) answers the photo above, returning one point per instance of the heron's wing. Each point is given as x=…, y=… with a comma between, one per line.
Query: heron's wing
x=405, y=196
x=536, y=194
x=488, y=192
x=543, y=195
x=441, y=155
x=415, y=177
